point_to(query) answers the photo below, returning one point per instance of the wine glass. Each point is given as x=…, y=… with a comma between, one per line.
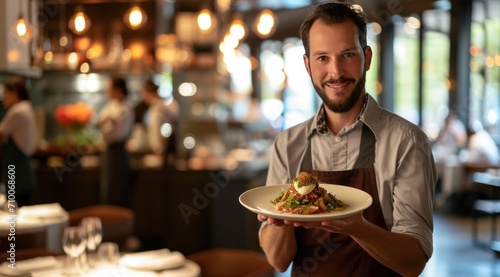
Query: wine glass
x=73, y=242
x=93, y=232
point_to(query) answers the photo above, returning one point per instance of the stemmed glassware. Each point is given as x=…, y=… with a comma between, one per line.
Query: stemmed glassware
x=93, y=232
x=74, y=242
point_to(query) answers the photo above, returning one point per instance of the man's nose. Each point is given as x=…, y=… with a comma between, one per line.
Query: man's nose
x=335, y=68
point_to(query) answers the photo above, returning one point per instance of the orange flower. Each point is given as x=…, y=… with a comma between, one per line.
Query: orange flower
x=76, y=115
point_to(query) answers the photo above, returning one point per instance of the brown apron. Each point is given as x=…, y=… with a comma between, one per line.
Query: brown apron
x=320, y=253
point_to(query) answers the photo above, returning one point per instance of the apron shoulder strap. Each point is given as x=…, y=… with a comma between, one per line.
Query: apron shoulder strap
x=366, y=156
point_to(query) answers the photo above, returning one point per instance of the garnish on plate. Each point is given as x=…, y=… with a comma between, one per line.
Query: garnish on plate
x=305, y=196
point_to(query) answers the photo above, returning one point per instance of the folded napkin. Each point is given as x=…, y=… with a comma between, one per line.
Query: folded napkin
x=42, y=211
x=190, y=269
x=28, y=266
x=153, y=260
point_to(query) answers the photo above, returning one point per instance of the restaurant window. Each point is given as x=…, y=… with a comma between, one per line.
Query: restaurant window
x=287, y=95
x=435, y=71
x=406, y=67
x=373, y=86
x=484, y=104
x=240, y=85
x=301, y=101
x=272, y=79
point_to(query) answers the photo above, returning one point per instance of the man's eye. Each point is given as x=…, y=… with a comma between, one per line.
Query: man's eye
x=349, y=55
x=322, y=58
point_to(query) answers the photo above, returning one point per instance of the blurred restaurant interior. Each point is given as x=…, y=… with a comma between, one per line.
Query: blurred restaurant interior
x=235, y=69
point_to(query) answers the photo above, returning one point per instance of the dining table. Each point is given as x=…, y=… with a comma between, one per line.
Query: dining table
x=152, y=263
x=490, y=177
x=50, y=218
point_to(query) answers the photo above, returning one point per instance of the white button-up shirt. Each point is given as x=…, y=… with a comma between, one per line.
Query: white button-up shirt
x=122, y=118
x=19, y=123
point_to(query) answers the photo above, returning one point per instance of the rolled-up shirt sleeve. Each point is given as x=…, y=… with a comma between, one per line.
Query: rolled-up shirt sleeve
x=413, y=191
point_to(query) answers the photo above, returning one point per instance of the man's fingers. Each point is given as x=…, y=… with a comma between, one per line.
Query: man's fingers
x=261, y=218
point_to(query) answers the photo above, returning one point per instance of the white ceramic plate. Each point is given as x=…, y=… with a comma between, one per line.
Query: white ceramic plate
x=258, y=200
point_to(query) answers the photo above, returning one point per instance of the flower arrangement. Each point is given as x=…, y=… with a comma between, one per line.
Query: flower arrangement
x=74, y=116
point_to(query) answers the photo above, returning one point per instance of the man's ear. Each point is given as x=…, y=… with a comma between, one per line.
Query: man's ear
x=307, y=64
x=368, y=57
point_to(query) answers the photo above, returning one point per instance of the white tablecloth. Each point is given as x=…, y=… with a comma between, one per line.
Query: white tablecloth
x=55, y=267
x=51, y=217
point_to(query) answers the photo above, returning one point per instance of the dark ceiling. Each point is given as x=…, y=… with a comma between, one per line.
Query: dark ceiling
x=402, y=7
x=107, y=14
x=290, y=12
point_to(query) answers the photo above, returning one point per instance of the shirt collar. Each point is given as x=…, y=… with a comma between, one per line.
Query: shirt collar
x=320, y=119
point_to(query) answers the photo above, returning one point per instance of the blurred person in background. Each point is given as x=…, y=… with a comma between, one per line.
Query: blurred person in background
x=160, y=120
x=481, y=148
x=115, y=123
x=451, y=138
x=18, y=136
x=446, y=148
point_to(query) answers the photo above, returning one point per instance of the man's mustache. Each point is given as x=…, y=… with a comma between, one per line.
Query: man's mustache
x=340, y=80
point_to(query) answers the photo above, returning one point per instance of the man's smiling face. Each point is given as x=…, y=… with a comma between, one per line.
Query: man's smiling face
x=337, y=64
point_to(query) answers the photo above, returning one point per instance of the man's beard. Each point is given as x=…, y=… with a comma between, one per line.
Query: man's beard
x=347, y=104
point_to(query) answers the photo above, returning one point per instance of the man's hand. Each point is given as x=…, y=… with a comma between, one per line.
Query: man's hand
x=348, y=225
x=270, y=220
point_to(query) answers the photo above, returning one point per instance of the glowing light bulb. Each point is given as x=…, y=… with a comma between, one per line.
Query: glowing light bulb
x=205, y=22
x=135, y=17
x=21, y=27
x=79, y=23
x=265, y=24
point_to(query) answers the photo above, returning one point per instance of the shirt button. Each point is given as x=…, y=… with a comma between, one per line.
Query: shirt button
x=338, y=139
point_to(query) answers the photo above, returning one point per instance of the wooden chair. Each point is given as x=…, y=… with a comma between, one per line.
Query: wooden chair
x=224, y=262
x=117, y=222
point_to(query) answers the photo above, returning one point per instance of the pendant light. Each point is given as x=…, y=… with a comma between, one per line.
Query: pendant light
x=22, y=29
x=135, y=17
x=79, y=23
x=265, y=24
x=206, y=21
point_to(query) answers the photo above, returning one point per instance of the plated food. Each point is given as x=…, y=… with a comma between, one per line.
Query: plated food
x=305, y=196
x=257, y=200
